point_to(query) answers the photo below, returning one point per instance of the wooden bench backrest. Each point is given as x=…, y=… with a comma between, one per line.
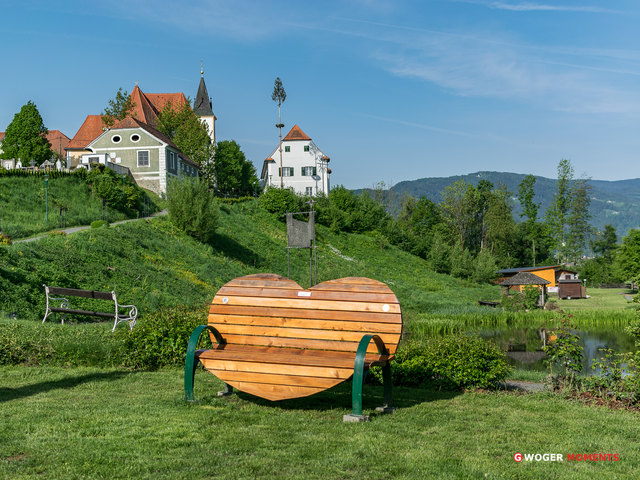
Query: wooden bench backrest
x=270, y=310
x=74, y=292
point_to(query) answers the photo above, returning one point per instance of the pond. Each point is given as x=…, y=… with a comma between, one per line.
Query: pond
x=524, y=344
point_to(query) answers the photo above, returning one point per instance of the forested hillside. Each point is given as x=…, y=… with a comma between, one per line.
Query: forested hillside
x=612, y=202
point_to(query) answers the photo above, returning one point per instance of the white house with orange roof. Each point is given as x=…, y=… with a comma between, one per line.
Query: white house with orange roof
x=305, y=168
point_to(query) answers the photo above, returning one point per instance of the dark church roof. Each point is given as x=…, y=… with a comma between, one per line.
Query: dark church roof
x=202, y=105
x=524, y=278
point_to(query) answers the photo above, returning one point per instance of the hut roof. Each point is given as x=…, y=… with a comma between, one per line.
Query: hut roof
x=524, y=278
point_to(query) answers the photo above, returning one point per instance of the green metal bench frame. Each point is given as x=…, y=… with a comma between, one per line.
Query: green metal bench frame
x=359, y=373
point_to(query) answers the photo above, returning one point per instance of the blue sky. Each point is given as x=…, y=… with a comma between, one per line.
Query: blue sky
x=390, y=90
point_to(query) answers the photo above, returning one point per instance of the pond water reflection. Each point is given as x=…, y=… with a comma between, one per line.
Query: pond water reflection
x=524, y=344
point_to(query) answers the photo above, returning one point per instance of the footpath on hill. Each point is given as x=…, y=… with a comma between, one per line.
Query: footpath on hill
x=86, y=227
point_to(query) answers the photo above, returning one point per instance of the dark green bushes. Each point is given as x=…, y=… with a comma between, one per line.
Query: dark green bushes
x=451, y=362
x=160, y=339
x=280, y=201
x=192, y=208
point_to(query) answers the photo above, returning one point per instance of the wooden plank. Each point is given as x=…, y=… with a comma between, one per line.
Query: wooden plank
x=275, y=351
x=303, y=333
x=292, y=380
x=303, y=303
x=74, y=292
x=260, y=311
x=355, y=326
x=356, y=280
x=345, y=287
x=275, y=392
x=302, y=343
x=335, y=295
x=276, y=368
x=287, y=356
x=81, y=312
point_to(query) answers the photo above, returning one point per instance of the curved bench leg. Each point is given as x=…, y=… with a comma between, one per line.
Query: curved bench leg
x=228, y=390
x=358, y=380
x=190, y=362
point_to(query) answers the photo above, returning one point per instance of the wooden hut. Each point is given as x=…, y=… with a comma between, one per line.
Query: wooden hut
x=572, y=288
x=526, y=279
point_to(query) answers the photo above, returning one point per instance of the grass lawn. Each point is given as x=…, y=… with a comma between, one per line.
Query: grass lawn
x=600, y=299
x=108, y=423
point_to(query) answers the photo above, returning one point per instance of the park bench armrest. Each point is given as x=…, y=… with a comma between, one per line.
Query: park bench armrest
x=190, y=362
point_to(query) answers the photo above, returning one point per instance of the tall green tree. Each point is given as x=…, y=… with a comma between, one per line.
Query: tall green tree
x=118, y=108
x=234, y=174
x=25, y=138
x=628, y=256
x=556, y=215
x=578, y=226
x=605, y=242
x=530, y=208
x=457, y=210
x=190, y=135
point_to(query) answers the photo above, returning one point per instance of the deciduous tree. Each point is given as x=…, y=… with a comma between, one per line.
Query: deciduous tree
x=234, y=174
x=118, y=108
x=25, y=138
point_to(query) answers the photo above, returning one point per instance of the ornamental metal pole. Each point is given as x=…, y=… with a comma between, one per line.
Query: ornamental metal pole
x=46, y=201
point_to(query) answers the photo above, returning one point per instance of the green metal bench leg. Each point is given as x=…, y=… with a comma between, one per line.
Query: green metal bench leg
x=190, y=362
x=359, y=375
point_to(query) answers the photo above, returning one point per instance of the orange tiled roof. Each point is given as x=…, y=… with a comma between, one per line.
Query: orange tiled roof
x=296, y=134
x=159, y=100
x=58, y=140
x=143, y=110
x=1, y=136
x=91, y=129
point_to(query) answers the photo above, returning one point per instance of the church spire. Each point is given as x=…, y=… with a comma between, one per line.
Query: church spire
x=202, y=105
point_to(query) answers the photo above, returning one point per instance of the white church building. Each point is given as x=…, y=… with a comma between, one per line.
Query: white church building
x=304, y=167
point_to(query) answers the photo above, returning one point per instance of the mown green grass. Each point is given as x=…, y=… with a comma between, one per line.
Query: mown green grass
x=23, y=205
x=106, y=423
x=600, y=299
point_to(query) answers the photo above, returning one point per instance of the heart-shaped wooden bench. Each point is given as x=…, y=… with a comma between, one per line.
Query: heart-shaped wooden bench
x=276, y=340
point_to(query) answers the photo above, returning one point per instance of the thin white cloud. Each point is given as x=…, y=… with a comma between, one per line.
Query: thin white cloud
x=538, y=7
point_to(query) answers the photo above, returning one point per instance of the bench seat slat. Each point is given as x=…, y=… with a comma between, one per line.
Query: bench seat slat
x=274, y=379
x=82, y=312
x=288, y=356
x=313, y=294
x=303, y=333
x=278, y=368
x=277, y=392
x=304, y=303
x=259, y=311
x=309, y=323
x=363, y=288
x=74, y=292
x=301, y=343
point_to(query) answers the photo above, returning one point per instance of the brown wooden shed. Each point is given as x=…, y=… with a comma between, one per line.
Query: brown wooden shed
x=571, y=289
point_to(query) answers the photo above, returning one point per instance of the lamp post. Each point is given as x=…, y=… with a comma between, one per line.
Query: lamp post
x=46, y=196
x=123, y=176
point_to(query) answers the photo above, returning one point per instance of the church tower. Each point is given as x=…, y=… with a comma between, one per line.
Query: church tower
x=203, y=108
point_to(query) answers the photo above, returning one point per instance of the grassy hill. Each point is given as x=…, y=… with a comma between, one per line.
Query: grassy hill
x=616, y=203
x=153, y=265
x=70, y=203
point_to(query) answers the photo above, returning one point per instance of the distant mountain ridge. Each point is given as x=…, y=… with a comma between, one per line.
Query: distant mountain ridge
x=612, y=202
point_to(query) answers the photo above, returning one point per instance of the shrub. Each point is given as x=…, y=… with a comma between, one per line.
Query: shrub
x=160, y=339
x=192, y=208
x=280, y=201
x=99, y=223
x=17, y=348
x=451, y=362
